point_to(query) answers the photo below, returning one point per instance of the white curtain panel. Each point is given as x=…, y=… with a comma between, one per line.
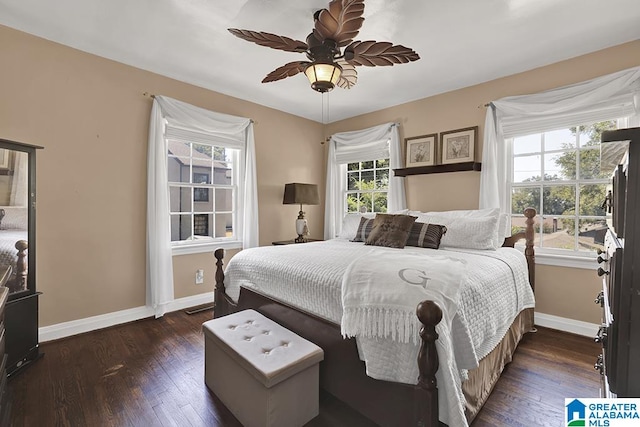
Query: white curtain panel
x=603, y=98
x=176, y=114
x=356, y=146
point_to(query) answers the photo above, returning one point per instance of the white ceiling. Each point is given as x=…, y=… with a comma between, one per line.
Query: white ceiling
x=460, y=42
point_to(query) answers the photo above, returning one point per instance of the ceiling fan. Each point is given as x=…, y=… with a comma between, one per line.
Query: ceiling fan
x=328, y=66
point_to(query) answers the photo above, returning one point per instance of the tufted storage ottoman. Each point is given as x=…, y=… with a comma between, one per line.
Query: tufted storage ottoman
x=264, y=373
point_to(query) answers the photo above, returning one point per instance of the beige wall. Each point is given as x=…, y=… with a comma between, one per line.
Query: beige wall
x=564, y=292
x=91, y=117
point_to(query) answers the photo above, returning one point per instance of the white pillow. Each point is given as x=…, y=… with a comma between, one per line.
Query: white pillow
x=466, y=232
x=350, y=224
x=501, y=220
x=471, y=213
x=474, y=213
x=400, y=212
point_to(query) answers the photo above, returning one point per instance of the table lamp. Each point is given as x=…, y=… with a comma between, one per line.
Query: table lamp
x=301, y=194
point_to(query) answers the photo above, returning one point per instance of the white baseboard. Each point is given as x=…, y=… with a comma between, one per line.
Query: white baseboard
x=74, y=327
x=577, y=327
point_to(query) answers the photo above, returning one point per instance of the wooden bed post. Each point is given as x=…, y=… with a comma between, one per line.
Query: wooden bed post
x=529, y=253
x=429, y=315
x=528, y=235
x=222, y=303
x=220, y=308
x=21, y=265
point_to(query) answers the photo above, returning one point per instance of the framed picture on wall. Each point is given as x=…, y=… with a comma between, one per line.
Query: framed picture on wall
x=458, y=146
x=421, y=150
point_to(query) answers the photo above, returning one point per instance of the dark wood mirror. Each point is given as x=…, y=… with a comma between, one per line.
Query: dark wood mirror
x=17, y=251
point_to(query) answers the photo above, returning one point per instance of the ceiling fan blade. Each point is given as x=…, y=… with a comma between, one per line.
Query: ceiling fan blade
x=270, y=40
x=287, y=70
x=341, y=22
x=371, y=54
x=349, y=76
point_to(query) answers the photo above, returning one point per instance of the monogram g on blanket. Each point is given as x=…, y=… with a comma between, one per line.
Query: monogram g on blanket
x=458, y=312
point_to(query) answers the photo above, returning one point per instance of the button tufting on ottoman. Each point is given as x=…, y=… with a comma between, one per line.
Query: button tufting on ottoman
x=264, y=373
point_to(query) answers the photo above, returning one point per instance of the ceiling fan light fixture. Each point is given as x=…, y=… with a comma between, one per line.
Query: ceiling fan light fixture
x=323, y=76
x=331, y=40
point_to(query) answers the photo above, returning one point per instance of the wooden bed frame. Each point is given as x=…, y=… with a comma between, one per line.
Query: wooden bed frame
x=342, y=373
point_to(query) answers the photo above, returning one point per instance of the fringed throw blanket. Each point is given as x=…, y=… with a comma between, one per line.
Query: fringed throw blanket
x=380, y=294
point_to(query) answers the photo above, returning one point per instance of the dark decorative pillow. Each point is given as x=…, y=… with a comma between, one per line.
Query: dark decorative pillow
x=424, y=235
x=364, y=229
x=391, y=231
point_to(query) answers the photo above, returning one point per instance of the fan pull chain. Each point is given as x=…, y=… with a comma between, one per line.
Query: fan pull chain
x=328, y=111
x=325, y=118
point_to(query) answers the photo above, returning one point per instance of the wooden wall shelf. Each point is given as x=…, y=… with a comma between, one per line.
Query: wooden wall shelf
x=455, y=167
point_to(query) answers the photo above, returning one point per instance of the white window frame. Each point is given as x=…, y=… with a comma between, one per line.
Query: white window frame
x=555, y=256
x=186, y=247
x=345, y=187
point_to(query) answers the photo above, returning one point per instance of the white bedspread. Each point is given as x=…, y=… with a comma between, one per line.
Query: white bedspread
x=309, y=276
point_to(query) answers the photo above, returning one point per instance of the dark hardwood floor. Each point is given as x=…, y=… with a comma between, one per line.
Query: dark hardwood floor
x=150, y=373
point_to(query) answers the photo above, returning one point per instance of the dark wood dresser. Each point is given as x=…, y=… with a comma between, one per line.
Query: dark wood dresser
x=619, y=362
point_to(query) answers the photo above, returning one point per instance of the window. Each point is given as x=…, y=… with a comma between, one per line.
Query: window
x=358, y=178
x=201, y=194
x=203, y=191
x=367, y=186
x=559, y=173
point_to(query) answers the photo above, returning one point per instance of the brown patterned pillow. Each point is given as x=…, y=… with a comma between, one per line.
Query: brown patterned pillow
x=364, y=229
x=391, y=231
x=424, y=235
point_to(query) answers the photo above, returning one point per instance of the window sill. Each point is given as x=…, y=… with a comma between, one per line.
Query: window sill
x=205, y=247
x=571, y=261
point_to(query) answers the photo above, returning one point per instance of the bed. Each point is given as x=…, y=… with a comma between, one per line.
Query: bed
x=304, y=287
x=13, y=246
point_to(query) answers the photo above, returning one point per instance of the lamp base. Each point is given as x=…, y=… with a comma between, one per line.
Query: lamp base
x=301, y=228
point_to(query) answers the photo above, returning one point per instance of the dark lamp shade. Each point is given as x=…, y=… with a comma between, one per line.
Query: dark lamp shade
x=301, y=194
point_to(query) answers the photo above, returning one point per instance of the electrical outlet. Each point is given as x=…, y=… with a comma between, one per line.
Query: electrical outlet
x=199, y=277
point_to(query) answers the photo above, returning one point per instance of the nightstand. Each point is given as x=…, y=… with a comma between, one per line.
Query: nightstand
x=292, y=242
